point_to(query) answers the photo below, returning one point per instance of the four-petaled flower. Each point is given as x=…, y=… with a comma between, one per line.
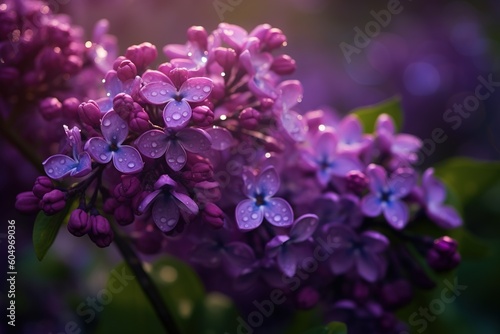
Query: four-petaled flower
x=126, y=159
x=288, y=248
x=323, y=158
x=434, y=194
x=114, y=86
x=173, y=144
x=166, y=201
x=60, y=165
x=362, y=251
x=403, y=146
x=260, y=203
x=177, y=111
x=386, y=195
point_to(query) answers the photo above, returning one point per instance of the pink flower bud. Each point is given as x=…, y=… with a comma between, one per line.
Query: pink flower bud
x=70, y=107
x=198, y=35
x=124, y=215
x=139, y=121
x=283, y=65
x=100, y=233
x=53, y=202
x=79, y=223
x=249, y=118
x=42, y=185
x=142, y=55
x=50, y=108
x=225, y=57
x=203, y=116
x=127, y=188
x=90, y=113
x=117, y=62
x=27, y=202
x=126, y=70
x=123, y=104
x=274, y=39
x=213, y=215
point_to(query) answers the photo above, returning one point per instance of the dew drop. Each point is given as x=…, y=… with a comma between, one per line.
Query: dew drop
x=154, y=93
x=245, y=219
x=277, y=218
x=106, y=122
x=176, y=116
x=62, y=161
x=103, y=156
x=131, y=165
x=283, y=210
x=168, y=119
x=154, y=144
x=123, y=126
x=163, y=220
x=206, y=89
x=195, y=97
x=171, y=222
x=184, y=114
x=254, y=216
x=152, y=154
x=163, y=92
x=285, y=218
x=246, y=225
x=120, y=160
x=181, y=159
x=50, y=171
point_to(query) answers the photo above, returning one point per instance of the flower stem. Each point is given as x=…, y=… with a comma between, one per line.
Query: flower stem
x=146, y=283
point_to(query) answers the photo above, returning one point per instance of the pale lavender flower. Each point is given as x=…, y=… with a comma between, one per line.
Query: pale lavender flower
x=126, y=159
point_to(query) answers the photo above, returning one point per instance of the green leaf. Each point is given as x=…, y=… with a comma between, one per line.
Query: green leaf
x=369, y=114
x=45, y=230
x=331, y=328
x=468, y=178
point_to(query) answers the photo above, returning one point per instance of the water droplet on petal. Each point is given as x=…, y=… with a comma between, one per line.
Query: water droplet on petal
x=50, y=171
x=154, y=144
x=181, y=159
x=245, y=219
x=103, y=156
x=195, y=97
x=254, y=216
x=106, y=122
x=62, y=161
x=277, y=218
x=152, y=154
x=131, y=165
x=163, y=92
x=171, y=222
x=176, y=116
x=154, y=93
x=206, y=89
x=123, y=126
x=120, y=159
x=184, y=114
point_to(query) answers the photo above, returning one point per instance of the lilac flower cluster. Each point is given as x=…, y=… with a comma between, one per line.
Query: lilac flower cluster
x=46, y=69
x=206, y=157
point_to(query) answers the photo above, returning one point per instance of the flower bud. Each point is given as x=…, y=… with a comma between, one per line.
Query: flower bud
x=165, y=68
x=443, y=254
x=198, y=35
x=274, y=39
x=126, y=70
x=123, y=104
x=53, y=201
x=42, y=185
x=90, y=113
x=356, y=181
x=203, y=116
x=225, y=57
x=100, y=233
x=124, y=215
x=142, y=55
x=27, y=202
x=178, y=76
x=213, y=215
x=266, y=103
x=307, y=298
x=117, y=62
x=79, y=223
x=139, y=121
x=70, y=107
x=72, y=64
x=207, y=191
x=283, y=65
x=50, y=108
x=249, y=118
x=127, y=188
x=110, y=205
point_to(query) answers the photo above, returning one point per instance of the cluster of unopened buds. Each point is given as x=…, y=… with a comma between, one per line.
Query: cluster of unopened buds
x=205, y=157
